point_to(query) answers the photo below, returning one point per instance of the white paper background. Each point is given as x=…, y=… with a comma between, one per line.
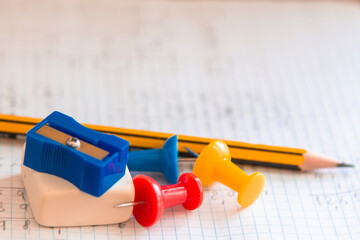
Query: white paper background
x=274, y=72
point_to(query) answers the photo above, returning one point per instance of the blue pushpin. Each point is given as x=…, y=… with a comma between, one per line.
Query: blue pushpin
x=163, y=160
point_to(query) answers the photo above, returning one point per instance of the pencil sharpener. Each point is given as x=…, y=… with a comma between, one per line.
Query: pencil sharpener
x=56, y=202
x=90, y=160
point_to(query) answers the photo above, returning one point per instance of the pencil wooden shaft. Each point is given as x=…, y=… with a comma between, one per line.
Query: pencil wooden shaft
x=246, y=152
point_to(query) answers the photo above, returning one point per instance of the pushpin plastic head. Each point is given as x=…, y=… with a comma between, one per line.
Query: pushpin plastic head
x=155, y=198
x=170, y=159
x=163, y=160
x=214, y=164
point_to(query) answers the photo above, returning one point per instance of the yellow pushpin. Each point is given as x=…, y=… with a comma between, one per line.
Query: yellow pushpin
x=214, y=164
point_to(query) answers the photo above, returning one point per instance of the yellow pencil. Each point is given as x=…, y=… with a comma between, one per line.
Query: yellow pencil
x=241, y=152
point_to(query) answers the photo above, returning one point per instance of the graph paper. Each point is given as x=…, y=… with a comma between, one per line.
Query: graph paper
x=273, y=72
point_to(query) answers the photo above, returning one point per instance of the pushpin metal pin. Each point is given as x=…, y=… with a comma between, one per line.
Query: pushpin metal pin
x=191, y=152
x=157, y=160
x=151, y=199
x=214, y=164
x=129, y=204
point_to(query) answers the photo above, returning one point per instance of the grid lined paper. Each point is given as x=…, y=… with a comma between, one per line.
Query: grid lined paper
x=279, y=73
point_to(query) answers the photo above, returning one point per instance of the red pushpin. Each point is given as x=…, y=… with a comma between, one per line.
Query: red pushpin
x=151, y=199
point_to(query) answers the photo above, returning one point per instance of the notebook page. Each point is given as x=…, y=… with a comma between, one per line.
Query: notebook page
x=278, y=73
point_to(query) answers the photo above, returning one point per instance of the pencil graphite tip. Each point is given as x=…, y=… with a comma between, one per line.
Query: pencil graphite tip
x=345, y=165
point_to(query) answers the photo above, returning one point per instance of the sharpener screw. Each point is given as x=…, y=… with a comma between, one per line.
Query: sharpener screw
x=73, y=142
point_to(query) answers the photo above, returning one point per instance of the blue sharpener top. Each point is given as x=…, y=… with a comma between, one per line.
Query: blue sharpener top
x=89, y=174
